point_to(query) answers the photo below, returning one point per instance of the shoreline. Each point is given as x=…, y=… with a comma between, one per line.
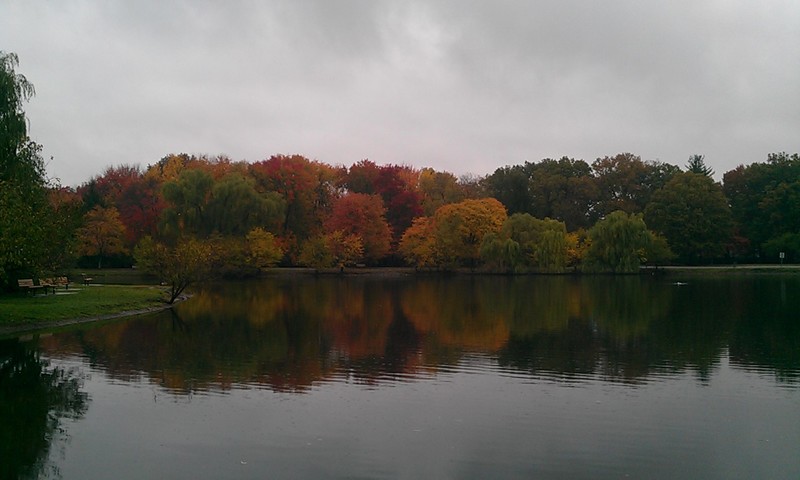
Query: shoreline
x=7, y=331
x=644, y=270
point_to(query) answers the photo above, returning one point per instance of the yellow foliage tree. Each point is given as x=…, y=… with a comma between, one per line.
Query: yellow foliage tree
x=459, y=229
x=263, y=249
x=102, y=234
x=577, y=244
x=417, y=245
x=335, y=249
x=188, y=262
x=347, y=249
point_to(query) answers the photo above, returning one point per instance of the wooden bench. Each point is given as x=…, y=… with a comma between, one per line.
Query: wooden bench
x=29, y=286
x=62, y=282
x=86, y=280
x=47, y=283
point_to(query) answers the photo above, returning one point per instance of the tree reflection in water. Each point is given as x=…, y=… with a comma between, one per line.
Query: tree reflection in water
x=34, y=399
x=290, y=333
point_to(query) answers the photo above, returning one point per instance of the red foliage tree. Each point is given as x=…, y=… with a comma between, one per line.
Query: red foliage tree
x=140, y=205
x=397, y=187
x=363, y=215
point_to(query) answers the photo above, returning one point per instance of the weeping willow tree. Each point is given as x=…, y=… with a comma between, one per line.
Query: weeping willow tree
x=527, y=244
x=551, y=251
x=501, y=254
x=618, y=243
x=24, y=207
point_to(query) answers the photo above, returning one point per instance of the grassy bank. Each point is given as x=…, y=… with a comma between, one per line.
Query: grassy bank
x=77, y=303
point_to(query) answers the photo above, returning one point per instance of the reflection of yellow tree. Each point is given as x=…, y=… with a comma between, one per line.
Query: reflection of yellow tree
x=259, y=305
x=453, y=312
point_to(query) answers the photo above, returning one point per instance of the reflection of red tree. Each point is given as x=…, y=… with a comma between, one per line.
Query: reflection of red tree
x=357, y=328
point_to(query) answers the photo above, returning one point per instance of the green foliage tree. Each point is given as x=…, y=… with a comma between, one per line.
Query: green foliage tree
x=65, y=218
x=617, y=243
x=200, y=206
x=565, y=190
x=576, y=193
x=187, y=197
x=500, y=253
x=542, y=243
x=24, y=208
x=787, y=243
x=697, y=164
x=760, y=197
x=316, y=253
x=658, y=251
x=692, y=213
x=781, y=210
x=235, y=207
x=550, y=255
x=626, y=183
x=510, y=185
x=230, y=256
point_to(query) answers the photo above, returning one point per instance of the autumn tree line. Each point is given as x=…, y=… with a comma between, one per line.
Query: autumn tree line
x=236, y=218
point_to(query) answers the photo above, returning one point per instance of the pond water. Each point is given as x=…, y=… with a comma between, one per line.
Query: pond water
x=460, y=377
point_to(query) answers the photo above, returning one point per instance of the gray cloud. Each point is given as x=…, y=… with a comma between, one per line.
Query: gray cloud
x=464, y=86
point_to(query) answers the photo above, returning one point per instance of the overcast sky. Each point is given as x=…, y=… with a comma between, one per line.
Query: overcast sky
x=463, y=86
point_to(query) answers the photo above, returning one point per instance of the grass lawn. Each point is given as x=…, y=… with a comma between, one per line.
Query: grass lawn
x=78, y=302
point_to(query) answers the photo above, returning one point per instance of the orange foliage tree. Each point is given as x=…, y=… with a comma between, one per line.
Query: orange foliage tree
x=102, y=233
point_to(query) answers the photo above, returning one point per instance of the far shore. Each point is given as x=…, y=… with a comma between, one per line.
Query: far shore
x=645, y=270
x=744, y=269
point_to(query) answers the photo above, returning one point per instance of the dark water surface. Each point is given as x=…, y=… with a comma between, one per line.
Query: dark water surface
x=487, y=377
